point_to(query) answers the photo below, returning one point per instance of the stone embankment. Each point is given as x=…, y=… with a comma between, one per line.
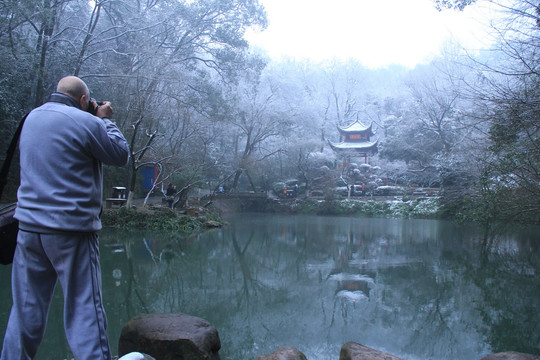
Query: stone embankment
x=180, y=336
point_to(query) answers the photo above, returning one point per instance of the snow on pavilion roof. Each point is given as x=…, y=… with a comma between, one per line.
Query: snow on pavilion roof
x=356, y=126
x=367, y=146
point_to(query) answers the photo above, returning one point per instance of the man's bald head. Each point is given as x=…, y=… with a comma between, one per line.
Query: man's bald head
x=75, y=88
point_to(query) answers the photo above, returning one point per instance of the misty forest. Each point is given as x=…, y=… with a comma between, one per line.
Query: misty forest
x=207, y=111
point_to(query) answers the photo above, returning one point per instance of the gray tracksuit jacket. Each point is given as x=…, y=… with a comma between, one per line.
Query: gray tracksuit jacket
x=62, y=150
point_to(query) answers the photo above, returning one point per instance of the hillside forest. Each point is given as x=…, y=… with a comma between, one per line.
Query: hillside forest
x=207, y=111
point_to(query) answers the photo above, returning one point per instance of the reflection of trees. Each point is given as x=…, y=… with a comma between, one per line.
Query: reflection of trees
x=149, y=282
x=266, y=281
x=417, y=298
x=434, y=330
x=475, y=287
x=240, y=253
x=506, y=273
x=266, y=258
x=131, y=287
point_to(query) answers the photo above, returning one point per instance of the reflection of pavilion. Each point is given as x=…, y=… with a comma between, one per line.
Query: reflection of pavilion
x=354, y=279
x=353, y=286
x=352, y=282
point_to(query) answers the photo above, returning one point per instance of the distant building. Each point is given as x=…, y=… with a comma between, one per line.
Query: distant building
x=356, y=141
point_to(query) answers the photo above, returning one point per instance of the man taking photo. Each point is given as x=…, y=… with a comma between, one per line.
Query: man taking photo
x=62, y=149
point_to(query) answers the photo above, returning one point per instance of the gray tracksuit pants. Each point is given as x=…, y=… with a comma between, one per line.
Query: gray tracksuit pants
x=40, y=261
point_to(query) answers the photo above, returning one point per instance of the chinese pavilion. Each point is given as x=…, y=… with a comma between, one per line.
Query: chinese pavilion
x=356, y=141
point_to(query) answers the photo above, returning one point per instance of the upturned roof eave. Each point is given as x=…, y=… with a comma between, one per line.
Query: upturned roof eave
x=368, y=146
x=356, y=126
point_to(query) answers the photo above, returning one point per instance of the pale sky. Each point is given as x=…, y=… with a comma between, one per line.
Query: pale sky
x=377, y=33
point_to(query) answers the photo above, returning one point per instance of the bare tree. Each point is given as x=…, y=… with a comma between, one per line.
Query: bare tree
x=506, y=98
x=259, y=121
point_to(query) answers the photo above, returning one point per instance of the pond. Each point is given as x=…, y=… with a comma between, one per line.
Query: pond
x=419, y=289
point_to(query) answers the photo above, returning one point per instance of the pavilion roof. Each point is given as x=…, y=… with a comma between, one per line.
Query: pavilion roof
x=367, y=146
x=356, y=126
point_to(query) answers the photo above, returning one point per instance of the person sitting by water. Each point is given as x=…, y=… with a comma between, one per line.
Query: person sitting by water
x=169, y=195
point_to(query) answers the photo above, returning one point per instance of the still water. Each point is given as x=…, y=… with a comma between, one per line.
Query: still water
x=419, y=289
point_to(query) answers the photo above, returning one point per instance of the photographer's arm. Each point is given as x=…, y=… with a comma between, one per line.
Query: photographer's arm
x=105, y=110
x=111, y=147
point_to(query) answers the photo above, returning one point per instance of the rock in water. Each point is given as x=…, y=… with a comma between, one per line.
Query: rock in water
x=170, y=336
x=355, y=351
x=284, y=353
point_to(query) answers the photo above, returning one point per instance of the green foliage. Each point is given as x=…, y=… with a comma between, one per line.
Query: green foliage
x=452, y=209
x=493, y=199
x=419, y=208
x=159, y=219
x=308, y=206
x=498, y=205
x=509, y=188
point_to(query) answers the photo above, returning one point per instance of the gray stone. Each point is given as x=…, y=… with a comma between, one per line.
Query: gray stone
x=170, y=337
x=511, y=355
x=355, y=351
x=284, y=353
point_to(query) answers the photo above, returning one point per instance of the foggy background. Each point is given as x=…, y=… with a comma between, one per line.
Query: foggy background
x=205, y=108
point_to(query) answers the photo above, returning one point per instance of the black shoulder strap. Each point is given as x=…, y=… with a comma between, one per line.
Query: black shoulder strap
x=9, y=155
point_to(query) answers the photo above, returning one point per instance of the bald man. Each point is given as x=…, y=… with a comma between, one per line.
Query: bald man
x=62, y=148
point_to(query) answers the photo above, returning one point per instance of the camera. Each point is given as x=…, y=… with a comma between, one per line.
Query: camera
x=93, y=109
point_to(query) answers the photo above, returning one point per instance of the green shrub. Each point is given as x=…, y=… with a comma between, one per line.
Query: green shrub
x=160, y=219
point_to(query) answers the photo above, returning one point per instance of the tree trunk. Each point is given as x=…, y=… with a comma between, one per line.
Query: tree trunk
x=47, y=28
x=131, y=186
x=236, y=178
x=94, y=19
x=251, y=181
x=129, y=201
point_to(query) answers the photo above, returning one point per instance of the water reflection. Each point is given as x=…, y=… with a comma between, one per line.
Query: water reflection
x=420, y=289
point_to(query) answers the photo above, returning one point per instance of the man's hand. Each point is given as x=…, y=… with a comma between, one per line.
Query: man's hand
x=105, y=110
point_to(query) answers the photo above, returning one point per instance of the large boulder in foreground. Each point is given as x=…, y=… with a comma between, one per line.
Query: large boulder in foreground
x=284, y=353
x=511, y=355
x=170, y=336
x=355, y=351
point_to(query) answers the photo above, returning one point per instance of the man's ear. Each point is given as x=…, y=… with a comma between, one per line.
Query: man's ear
x=83, y=102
